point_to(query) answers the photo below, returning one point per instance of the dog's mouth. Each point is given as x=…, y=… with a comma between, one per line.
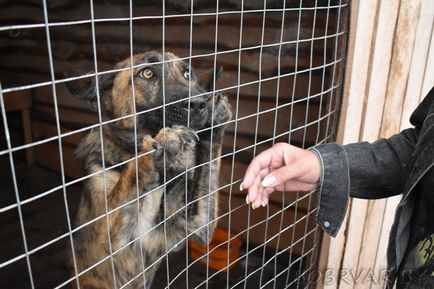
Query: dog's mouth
x=180, y=115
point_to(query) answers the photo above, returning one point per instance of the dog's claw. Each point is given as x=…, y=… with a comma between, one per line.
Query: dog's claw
x=196, y=136
x=155, y=146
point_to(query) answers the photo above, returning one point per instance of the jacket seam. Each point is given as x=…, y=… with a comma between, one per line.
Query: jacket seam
x=348, y=186
x=321, y=178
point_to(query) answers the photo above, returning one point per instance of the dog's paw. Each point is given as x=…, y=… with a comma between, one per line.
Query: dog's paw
x=222, y=112
x=178, y=142
x=219, y=115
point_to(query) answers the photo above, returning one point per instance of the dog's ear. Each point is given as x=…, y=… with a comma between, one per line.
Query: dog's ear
x=83, y=88
x=206, y=79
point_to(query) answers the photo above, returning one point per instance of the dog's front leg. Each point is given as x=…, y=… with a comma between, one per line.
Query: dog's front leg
x=203, y=219
x=91, y=242
x=146, y=174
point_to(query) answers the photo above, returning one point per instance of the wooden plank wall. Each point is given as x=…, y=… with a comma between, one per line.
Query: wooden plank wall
x=389, y=71
x=23, y=61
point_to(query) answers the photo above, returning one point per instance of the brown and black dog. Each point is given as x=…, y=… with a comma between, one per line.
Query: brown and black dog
x=147, y=217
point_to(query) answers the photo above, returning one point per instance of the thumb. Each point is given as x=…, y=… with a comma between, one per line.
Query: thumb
x=278, y=177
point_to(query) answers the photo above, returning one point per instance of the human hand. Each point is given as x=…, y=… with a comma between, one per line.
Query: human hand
x=282, y=167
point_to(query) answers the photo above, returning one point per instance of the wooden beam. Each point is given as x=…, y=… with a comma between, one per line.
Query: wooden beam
x=381, y=256
x=419, y=62
x=330, y=246
x=428, y=81
x=356, y=91
x=400, y=66
x=364, y=224
x=379, y=73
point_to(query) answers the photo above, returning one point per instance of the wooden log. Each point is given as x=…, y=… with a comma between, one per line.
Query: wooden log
x=266, y=120
x=44, y=130
x=203, y=36
x=44, y=95
x=246, y=139
x=68, y=118
x=31, y=14
x=46, y=155
x=227, y=79
x=17, y=59
x=17, y=100
x=73, y=119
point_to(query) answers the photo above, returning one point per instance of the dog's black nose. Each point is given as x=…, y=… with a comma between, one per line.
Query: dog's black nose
x=197, y=104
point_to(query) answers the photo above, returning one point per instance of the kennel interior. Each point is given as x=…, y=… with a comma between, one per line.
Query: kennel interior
x=282, y=72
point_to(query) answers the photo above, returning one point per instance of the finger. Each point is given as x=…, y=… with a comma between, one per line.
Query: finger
x=268, y=191
x=265, y=201
x=280, y=176
x=259, y=200
x=260, y=162
x=257, y=183
x=264, y=172
x=254, y=190
x=265, y=196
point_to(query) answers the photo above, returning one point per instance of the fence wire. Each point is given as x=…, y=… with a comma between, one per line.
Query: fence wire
x=282, y=73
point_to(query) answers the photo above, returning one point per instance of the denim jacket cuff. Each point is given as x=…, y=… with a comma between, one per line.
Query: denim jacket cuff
x=334, y=187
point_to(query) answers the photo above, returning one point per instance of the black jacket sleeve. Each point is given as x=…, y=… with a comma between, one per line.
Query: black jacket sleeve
x=365, y=170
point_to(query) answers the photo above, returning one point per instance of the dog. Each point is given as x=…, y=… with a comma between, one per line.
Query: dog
x=145, y=205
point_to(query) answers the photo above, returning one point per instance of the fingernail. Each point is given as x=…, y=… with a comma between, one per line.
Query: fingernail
x=269, y=181
x=263, y=204
x=241, y=187
x=247, y=200
x=253, y=206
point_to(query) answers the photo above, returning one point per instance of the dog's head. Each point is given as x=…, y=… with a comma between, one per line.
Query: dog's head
x=161, y=96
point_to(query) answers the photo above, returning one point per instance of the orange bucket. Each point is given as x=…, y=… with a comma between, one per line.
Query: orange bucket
x=218, y=250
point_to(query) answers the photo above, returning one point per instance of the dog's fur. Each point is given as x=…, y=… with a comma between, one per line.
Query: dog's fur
x=142, y=231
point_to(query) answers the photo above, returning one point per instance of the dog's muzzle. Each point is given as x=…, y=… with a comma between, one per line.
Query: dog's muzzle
x=192, y=112
x=195, y=105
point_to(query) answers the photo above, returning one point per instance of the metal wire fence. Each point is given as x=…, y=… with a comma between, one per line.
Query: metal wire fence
x=135, y=211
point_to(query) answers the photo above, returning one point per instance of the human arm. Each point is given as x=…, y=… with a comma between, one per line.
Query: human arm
x=360, y=170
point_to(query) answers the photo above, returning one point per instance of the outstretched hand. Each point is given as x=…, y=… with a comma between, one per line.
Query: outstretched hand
x=282, y=167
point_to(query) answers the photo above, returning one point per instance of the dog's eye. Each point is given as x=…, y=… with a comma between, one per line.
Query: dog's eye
x=187, y=74
x=146, y=73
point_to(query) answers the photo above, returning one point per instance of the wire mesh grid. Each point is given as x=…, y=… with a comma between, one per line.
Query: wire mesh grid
x=136, y=213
